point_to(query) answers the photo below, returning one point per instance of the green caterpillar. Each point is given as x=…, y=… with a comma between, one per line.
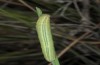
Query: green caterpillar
x=45, y=37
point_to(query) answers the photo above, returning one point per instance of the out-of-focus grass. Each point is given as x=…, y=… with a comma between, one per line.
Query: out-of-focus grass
x=19, y=42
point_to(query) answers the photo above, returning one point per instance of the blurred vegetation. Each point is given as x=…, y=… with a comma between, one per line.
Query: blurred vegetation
x=75, y=28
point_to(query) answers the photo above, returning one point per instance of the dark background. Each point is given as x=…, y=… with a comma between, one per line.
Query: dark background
x=75, y=27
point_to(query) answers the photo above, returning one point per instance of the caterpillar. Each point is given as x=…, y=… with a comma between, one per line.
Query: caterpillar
x=45, y=37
